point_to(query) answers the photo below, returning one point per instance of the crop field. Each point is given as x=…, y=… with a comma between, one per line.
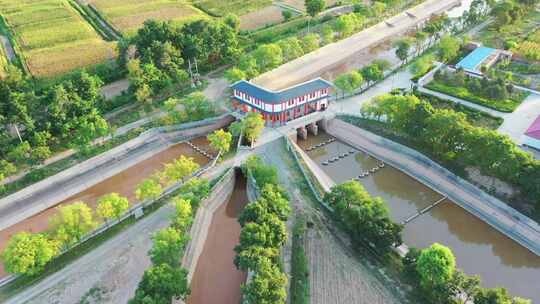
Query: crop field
x=53, y=37
x=220, y=8
x=261, y=18
x=299, y=4
x=127, y=16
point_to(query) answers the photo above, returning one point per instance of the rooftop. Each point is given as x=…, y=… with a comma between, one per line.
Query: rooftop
x=282, y=95
x=534, y=130
x=474, y=60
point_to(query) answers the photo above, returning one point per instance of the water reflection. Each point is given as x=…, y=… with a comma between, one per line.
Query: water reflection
x=479, y=248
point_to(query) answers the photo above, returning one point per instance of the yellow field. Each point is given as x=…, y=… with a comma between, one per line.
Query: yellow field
x=128, y=15
x=53, y=37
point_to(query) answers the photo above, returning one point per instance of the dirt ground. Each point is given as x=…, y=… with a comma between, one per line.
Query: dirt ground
x=260, y=18
x=336, y=275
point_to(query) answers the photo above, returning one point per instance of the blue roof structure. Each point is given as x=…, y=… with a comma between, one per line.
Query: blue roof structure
x=473, y=61
x=283, y=95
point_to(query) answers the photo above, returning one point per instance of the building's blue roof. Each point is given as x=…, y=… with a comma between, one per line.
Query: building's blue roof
x=283, y=95
x=473, y=61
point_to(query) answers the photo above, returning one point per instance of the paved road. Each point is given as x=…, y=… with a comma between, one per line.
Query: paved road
x=310, y=65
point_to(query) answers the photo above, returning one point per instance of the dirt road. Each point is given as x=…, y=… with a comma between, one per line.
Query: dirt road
x=337, y=275
x=314, y=64
x=111, y=272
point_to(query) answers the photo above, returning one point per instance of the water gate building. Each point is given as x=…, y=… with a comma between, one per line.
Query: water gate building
x=279, y=107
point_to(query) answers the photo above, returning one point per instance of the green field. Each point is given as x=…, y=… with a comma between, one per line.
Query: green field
x=126, y=16
x=220, y=8
x=52, y=37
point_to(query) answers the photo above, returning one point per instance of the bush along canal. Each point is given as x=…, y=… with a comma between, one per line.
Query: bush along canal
x=479, y=248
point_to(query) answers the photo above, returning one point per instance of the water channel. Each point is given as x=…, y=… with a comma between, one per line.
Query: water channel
x=479, y=249
x=216, y=279
x=123, y=183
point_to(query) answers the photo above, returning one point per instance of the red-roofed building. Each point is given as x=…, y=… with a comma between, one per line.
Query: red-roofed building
x=532, y=135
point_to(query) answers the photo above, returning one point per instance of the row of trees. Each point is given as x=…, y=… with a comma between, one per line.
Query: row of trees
x=349, y=83
x=68, y=113
x=166, y=279
x=270, y=56
x=432, y=272
x=28, y=253
x=251, y=127
x=263, y=234
x=449, y=137
x=366, y=218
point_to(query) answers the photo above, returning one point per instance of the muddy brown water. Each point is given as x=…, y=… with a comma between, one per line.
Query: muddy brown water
x=479, y=248
x=123, y=183
x=216, y=279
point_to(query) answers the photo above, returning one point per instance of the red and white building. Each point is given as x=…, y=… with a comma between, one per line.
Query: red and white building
x=279, y=107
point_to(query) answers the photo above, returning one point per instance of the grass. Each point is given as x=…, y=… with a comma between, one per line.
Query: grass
x=299, y=289
x=475, y=117
x=53, y=37
x=220, y=8
x=127, y=16
x=507, y=106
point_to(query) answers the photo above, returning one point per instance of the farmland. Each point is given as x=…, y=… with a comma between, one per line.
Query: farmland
x=127, y=16
x=51, y=36
x=220, y=8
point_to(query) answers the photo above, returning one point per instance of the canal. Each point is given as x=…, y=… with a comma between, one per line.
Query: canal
x=123, y=183
x=216, y=279
x=479, y=249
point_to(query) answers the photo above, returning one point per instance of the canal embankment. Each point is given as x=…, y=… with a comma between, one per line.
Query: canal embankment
x=49, y=192
x=487, y=208
x=215, y=232
x=479, y=248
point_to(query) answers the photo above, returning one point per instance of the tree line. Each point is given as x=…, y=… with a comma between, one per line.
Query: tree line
x=448, y=137
x=166, y=279
x=263, y=234
x=29, y=253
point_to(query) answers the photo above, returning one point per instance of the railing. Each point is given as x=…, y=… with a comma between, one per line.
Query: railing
x=136, y=211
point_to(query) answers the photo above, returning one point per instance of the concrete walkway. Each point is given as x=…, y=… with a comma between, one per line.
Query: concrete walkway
x=10, y=52
x=487, y=208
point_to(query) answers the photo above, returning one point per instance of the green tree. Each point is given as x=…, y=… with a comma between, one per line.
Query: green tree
x=286, y=14
x=253, y=125
x=310, y=42
x=179, y=169
x=161, y=284
x=436, y=266
x=182, y=217
x=149, y=188
x=422, y=65
x=314, y=7
x=372, y=73
x=6, y=169
x=88, y=128
x=327, y=34
x=268, y=285
x=235, y=74
x=251, y=257
x=28, y=253
x=72, y=223
x=268, y=56
x=292, y=48
x=198, y=107
x=233, y=22
x=350, y=82
x=220, y=140
x=448, y=48
x=403, y=47
x=112, y=206
x=195, y=190
x=167, y=247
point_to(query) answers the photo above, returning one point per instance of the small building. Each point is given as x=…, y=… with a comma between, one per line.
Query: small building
x=482, y=57
x=279, y=107
x=532, y=135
